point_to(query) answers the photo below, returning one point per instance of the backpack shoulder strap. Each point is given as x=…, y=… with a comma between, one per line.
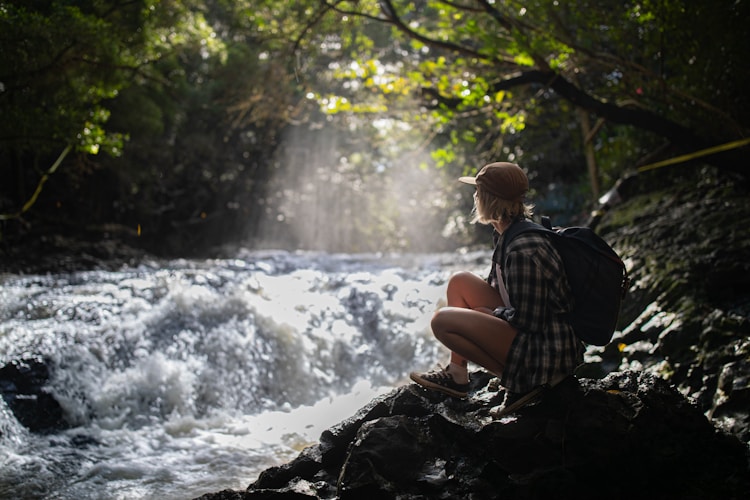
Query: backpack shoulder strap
x=518, y=227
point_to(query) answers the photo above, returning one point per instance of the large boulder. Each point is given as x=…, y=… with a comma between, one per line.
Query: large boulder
x=630, y=434
x=23, y=387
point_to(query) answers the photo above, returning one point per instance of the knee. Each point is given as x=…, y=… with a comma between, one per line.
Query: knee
x=438, y=323
x=458, y=286
x=460, y=280
x=435, y=321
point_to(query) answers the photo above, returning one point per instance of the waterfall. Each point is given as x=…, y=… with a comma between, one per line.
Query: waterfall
x=184, y=377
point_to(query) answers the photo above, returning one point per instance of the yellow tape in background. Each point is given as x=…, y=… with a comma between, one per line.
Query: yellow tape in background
x=696, y=154
x=612, y=197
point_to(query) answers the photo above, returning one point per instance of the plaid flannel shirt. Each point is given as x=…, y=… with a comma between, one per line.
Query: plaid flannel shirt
x=546, y=346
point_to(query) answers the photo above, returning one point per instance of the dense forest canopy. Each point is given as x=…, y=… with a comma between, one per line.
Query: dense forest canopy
x=340, y=125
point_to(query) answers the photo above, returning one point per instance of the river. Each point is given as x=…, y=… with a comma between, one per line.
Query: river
x=185, y=377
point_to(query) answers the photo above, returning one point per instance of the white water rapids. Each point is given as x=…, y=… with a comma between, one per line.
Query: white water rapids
x=187, y=377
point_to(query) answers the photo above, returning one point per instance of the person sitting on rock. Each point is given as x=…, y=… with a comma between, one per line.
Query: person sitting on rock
x=513, y=323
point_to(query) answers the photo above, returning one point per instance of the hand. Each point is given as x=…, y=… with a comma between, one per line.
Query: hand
x=485, y=310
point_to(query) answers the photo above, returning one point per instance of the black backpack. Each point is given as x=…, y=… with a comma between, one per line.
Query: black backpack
x=597, y=276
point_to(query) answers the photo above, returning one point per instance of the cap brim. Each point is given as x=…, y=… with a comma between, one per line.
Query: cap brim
x=468, y=180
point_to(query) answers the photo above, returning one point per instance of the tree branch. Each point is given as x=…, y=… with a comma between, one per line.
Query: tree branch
x=460, y=6
x=30, y=202
x=644, y=119
x=492, y=11
x=392, y=17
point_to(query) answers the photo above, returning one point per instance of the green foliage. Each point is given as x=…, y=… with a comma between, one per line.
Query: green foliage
x=64, y=61
x=646, y=55
x=207, y=108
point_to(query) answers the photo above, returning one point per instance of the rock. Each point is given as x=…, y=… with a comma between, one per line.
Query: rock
x=22, y=384
x=687, y=313
x=630, y=434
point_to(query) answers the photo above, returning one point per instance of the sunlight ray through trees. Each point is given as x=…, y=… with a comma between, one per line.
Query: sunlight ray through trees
x=186, y=115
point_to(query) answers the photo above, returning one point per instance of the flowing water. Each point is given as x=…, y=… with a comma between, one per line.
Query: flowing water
x=186, y=377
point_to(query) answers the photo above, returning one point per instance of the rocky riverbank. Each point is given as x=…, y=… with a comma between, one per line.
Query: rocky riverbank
x=687, y=317
x=630, y=435
x=660, y=412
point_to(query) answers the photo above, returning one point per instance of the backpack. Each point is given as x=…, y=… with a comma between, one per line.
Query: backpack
x=596, y=274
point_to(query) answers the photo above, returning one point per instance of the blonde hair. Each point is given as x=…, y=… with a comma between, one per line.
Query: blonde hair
x=488, y=208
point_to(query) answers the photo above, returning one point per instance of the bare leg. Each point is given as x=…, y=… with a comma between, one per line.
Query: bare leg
x=475, y=336
x=467, y=326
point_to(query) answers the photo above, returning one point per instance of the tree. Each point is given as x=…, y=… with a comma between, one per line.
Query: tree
x=61, y=62
x=248, y=119
x=485, y=69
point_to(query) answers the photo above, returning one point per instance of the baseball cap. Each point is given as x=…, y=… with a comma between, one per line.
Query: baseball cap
x=504, y=180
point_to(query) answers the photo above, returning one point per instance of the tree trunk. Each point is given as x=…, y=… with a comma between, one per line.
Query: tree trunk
x=588, y=148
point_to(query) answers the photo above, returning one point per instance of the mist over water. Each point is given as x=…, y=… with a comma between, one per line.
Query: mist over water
x=185, y=377
x=324, y=196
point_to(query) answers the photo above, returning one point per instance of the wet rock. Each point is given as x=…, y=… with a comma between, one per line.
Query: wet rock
x=687, y=314
x=630, y=434
x=22, y=384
